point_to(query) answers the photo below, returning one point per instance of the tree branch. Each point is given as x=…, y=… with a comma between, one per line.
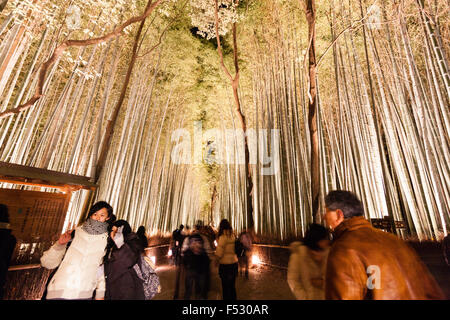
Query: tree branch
x=163, y=33
x=77, y=43
x=350, y=27
x=219, y=47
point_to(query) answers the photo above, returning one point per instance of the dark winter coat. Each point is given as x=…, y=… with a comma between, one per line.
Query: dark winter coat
x=7, y=245
x=197, y=262
x=196, y=257
x=446, y=249
x=122, y=282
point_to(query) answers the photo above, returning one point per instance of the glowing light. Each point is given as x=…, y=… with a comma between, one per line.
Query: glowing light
x=215, y=243
x=256, y=259
x=169, y=254
x=153, y=258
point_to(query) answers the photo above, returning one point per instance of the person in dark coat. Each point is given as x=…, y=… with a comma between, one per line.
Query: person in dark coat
x=142, y=236
x=246, y=239
x=7, y=245
x=446, y=249
x=124, y=250
x=196, y=250
x=175, y=245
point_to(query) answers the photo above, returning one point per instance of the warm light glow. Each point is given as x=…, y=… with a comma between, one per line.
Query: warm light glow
x=153, y=258
x=169, y=254
x=215, y=243
x=255, y=259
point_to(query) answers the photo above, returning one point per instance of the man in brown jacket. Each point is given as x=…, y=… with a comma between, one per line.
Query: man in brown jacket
x=367, y=263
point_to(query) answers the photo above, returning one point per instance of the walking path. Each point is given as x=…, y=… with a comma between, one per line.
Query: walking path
x=264, y=283
x=269, y=283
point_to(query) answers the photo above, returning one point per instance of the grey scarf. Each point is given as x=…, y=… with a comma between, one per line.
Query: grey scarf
x=95, y=227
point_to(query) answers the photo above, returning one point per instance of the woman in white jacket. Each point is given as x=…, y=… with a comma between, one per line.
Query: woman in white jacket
x=307, y=264
x=78, y=274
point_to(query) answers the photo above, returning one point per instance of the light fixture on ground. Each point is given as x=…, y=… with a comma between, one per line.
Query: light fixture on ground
x=256, y=259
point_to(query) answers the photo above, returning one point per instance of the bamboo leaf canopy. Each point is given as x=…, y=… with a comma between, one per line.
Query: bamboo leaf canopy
x=175, y=111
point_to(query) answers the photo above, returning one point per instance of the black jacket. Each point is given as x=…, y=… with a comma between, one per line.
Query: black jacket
x=7, y=245
x=122, y=282
x=446, y=249
x=196, y=261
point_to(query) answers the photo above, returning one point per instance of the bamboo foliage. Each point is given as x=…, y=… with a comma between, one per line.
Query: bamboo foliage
x=412, y=161
x=382, y=125
x=63, y=130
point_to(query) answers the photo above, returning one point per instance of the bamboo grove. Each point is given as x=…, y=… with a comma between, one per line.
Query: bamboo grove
x=109, y=109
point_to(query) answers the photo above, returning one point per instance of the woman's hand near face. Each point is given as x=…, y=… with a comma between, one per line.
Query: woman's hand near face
x=118, y=236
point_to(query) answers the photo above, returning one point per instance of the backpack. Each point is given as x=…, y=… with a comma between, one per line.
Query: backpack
x=146, y=272
x=239, y=248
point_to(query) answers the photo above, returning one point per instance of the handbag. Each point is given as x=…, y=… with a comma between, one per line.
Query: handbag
x=145, y=270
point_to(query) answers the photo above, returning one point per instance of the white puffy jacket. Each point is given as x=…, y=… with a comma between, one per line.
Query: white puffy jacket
x=77, y=276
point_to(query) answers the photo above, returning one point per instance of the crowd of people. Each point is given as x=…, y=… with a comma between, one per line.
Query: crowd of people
x=345, y=259
x=197, y=253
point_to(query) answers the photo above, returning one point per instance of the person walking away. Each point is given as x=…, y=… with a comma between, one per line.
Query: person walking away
x=178, y=236
x=307, y=264
x=123, y=253
x=141, y=233
x=7, y=245
x=367, y=263
x=228, y=261
x=77, y=276
x=246, y=239
x=202, y=277
x=446, y=249
x=196, y=263
x=208, y=235
x=176, y=243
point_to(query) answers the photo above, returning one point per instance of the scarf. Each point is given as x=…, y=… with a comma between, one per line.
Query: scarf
x=95, y=227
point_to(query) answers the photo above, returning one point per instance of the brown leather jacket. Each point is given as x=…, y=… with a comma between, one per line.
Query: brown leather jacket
x=367, y=263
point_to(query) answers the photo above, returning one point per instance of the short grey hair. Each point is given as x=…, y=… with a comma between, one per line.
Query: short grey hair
x=346, y=201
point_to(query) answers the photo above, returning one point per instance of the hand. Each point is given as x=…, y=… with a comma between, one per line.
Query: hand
x=118, y=238
x=116, y=230
x=65, y=237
